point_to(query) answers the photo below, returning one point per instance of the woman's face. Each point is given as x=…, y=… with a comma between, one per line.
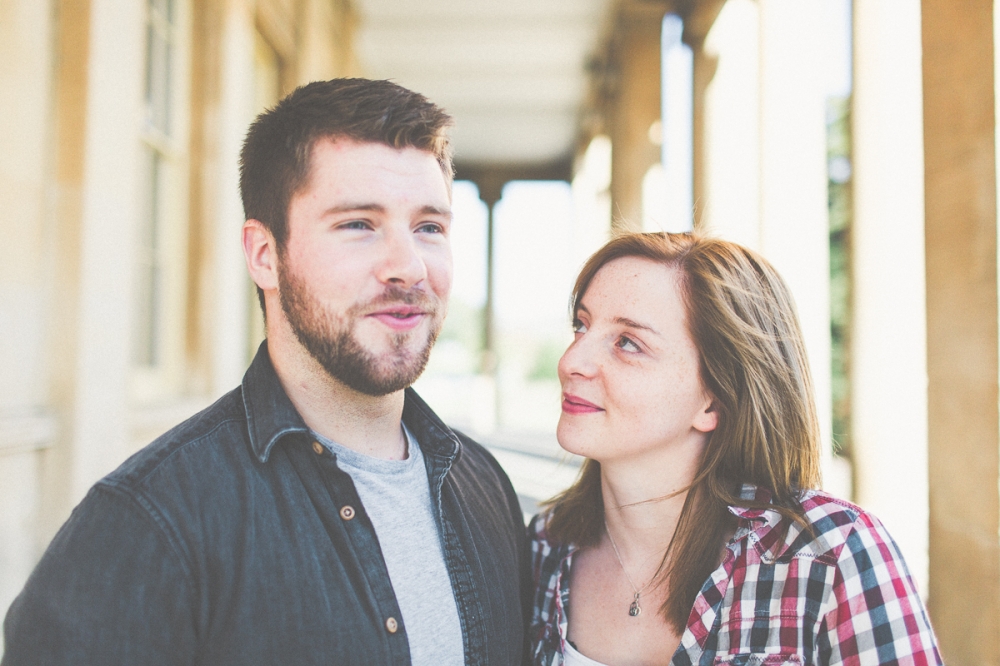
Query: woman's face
x=630, y=379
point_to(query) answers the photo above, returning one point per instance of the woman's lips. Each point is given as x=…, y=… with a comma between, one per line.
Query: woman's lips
x=400, y=318
x=572, y=404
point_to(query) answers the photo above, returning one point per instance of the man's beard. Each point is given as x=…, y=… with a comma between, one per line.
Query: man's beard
x=331, y=341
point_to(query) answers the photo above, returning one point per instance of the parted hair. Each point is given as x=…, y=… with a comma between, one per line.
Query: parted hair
x=753, y=362
x=277, y=152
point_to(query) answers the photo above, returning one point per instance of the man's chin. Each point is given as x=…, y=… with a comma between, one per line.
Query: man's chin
x=379, y=382
x=383, y=372
x=390, y=338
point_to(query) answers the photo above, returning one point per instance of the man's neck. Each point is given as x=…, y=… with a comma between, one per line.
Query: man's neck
x=367, y=424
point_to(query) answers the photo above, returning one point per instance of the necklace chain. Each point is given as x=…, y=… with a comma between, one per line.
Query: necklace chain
x=634, y=609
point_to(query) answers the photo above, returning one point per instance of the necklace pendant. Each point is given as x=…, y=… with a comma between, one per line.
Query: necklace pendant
x=634, y=609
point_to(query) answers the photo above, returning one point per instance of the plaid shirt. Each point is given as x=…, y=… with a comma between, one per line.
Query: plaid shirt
x=840, y=596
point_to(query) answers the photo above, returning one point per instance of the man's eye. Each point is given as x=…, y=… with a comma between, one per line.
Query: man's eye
x=431, y=228
x=627, y=344
x=356, y=224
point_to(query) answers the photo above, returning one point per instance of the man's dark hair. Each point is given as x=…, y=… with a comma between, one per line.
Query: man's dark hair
x=276, y=156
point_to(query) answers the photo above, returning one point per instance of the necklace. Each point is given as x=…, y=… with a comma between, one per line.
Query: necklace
x=651, y=500
x=634, y=609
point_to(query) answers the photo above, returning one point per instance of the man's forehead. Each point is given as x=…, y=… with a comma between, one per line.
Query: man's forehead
x=364, y=177
x=339, y=145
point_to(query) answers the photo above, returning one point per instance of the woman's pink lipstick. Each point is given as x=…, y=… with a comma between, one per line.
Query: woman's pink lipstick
x=572, y=404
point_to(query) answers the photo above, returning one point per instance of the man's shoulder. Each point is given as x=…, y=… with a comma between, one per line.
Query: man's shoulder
x=213, y=437
x=479, y=461
x=475, y=450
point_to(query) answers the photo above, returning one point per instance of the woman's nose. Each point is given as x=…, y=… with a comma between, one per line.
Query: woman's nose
x=578, y=359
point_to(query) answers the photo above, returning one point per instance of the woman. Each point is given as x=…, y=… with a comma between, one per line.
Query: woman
x=695, y=533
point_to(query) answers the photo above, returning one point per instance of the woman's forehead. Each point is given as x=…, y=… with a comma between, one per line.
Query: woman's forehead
x=635, y=288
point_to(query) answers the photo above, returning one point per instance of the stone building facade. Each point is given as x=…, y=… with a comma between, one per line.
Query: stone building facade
x=124, y=301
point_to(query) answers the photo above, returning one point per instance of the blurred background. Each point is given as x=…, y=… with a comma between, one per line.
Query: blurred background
x=852, y=143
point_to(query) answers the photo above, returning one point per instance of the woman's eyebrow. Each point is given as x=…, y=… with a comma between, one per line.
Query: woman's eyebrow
x=631, y=323
x=622, y=321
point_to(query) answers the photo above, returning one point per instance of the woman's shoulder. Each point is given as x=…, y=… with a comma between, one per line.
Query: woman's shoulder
x=548, y=560
x=546, y=551
x=819, y=506
x=538, y=532
x=834, y=528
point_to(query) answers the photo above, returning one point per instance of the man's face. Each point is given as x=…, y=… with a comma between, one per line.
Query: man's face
x=365, y=273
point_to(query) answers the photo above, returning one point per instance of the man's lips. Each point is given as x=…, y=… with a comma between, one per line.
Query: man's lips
x=399, y=318
x=572, y=404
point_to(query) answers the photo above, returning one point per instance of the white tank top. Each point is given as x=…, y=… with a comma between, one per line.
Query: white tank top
x=573, y=657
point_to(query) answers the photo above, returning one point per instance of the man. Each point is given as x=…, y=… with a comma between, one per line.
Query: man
x=320, y=513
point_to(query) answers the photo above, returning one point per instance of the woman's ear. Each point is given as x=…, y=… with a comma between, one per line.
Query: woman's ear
x=708, y=418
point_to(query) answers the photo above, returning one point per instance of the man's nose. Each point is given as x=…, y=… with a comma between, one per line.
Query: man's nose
x=401, y=263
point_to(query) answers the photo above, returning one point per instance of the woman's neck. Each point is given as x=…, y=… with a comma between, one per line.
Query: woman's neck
x=643, y=500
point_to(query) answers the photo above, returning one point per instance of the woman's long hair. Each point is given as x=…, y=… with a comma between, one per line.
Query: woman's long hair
x=753, y=362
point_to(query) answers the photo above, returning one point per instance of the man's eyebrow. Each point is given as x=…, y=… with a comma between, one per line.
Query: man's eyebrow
x=434, y=210
x=379, y=208
x=351, y=207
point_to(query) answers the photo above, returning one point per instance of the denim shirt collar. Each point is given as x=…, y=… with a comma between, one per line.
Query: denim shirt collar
x=271, y=416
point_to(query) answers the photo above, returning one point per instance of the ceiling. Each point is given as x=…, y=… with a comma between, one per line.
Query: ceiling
x=511, y=72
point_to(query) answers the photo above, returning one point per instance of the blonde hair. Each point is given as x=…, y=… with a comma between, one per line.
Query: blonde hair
x=753, y=362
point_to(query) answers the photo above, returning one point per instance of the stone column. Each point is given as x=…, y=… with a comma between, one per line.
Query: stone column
x=26, y=423
x=961, y=273
x=109, y=208
x=230, y=299
x=794, y=224
x=490, y=191
x=888, y=354
x=635, y=51
x=727, y=124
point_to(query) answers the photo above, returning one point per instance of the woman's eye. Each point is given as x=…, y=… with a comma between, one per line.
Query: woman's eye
x=627, y=344
x=578, y=326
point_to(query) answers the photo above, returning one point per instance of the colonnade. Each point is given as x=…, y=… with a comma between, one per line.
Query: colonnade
x=924, y=334
x=924, y=339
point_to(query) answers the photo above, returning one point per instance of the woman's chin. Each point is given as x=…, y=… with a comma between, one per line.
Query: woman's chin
x=572, y=439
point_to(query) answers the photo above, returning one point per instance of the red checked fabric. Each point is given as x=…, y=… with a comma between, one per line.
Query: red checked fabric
x=841, y=595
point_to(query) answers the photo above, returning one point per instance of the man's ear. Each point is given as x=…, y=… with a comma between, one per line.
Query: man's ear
x=261, y=253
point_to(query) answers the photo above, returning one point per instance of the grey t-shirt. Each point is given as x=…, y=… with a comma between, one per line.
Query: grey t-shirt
x=396, y=495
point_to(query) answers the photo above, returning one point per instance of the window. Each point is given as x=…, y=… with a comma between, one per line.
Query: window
x=158, y=320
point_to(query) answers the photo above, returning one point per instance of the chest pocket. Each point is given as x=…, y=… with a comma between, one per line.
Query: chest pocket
x=759, y=659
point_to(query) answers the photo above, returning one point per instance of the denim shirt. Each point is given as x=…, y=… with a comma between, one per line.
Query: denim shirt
x=234, y=539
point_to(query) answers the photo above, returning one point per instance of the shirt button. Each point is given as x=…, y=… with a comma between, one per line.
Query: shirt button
x=347, y=512
x=318, y=448
x=391, y=625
